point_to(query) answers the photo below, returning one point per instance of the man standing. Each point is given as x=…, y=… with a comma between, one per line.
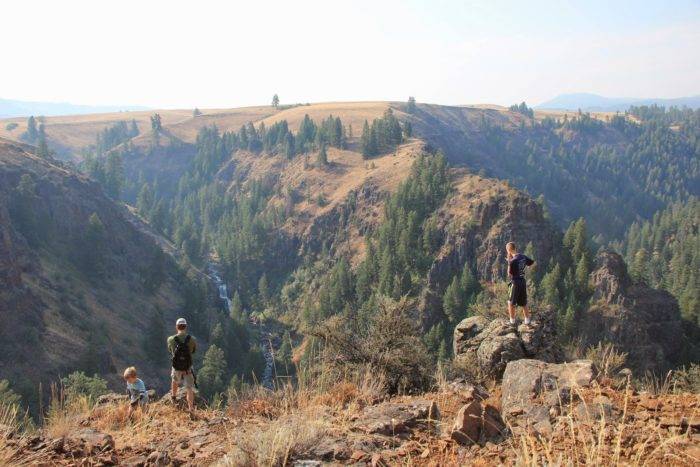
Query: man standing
x=181, y=347
x=517, y=291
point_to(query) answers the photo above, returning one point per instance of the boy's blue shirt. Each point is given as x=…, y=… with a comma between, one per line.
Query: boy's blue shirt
x=136, y=389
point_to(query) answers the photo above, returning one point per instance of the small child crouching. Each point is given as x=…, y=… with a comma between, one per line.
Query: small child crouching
x=138, y=397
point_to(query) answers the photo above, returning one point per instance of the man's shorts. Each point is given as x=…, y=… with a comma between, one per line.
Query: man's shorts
x=517, y=293
x=183, y=378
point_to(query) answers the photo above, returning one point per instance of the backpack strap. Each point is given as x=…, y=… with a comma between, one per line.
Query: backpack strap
x=187, y=341
x=179, y=342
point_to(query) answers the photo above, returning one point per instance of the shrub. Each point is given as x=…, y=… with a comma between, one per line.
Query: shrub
x=607, y=359
x=7, y=396
x=390, y=345
x=686, y=379
x=11, y=126
x=79, y=384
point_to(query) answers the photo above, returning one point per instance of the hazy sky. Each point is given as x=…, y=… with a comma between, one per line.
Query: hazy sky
x=226, y=54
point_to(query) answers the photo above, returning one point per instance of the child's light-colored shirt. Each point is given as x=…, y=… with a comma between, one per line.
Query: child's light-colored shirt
x=137, y=390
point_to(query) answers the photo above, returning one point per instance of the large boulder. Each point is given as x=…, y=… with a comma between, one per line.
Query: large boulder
x=534, y=391
x=389, y=418
x=491, y=344
x=476, y=422
x=641, y=321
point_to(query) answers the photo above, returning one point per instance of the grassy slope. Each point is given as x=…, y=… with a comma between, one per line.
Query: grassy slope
x=71, y=305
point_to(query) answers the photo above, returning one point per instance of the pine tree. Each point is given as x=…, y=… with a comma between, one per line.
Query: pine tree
x=408, y=129
x=264, y=290
x=237, y=308
x=569, y=321
x=32, y=133
x=581, y=275
x=196, y=112
x=550, y=286
x=156, y=124
x=144, y=200
x=322, y=156
x=154, y=336
x=365, y=141
x=638, y=268
x=469, y=285
x=42, y=149
x=453, y=301
x=114, y=175
x=212, y=376
x=275, y=101
x=289, y=145
x=411, y=106
x=217, y=337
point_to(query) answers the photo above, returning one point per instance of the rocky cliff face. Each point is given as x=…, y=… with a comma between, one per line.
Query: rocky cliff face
x=341, y=227
x=69, y=300
x=477, y=221
x=642, y=321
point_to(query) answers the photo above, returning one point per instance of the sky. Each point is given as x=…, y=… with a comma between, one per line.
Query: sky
x=182, y=54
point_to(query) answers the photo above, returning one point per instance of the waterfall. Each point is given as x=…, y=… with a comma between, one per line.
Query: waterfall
x=266, y=338
x=221, y=286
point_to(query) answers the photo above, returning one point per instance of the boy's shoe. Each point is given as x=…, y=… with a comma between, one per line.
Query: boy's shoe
x=512, y=320
x=526, y=321
x=173, y=399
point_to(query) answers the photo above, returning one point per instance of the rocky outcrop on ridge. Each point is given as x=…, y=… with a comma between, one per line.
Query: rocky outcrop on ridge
x=492, y=344
x=476, y=222
x=644, y=322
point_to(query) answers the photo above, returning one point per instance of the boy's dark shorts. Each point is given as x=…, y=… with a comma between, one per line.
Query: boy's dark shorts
x=142, y=401
x=517, y=293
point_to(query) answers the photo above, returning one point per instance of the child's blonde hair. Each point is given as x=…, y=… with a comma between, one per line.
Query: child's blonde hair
x=130, y=372
x=510, y=246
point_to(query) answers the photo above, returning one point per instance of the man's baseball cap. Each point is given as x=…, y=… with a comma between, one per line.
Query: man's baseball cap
x=181, y=322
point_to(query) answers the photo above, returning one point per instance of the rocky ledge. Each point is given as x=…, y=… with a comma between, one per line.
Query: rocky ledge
x=491, y=344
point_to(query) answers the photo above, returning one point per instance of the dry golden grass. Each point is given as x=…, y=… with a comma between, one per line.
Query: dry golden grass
x=65, y=415
x=271, y=428
x=351, y=113
x=614, y=442
x=225, y=120
x=560, y=114
x=74, y=132
x=346, y=172
x=77, y=131
x=9, y=426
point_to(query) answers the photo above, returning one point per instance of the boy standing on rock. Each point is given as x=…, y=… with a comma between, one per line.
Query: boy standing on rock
x=181, y=347
x=517, y=290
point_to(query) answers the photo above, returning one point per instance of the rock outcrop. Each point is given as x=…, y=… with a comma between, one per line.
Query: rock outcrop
x=390, y=418
x=491, y=344
x=533, y=391
x=644, y=322
x=476, y=223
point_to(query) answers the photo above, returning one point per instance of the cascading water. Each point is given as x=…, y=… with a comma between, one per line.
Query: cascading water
x=266, y=341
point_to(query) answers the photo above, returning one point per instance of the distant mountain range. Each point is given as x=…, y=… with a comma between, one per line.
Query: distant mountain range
x=596, y=103
x=14, y=108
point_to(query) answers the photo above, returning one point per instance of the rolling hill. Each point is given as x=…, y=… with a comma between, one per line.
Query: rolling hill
x=16, y=108
x=595, y=103
x=277, y=223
